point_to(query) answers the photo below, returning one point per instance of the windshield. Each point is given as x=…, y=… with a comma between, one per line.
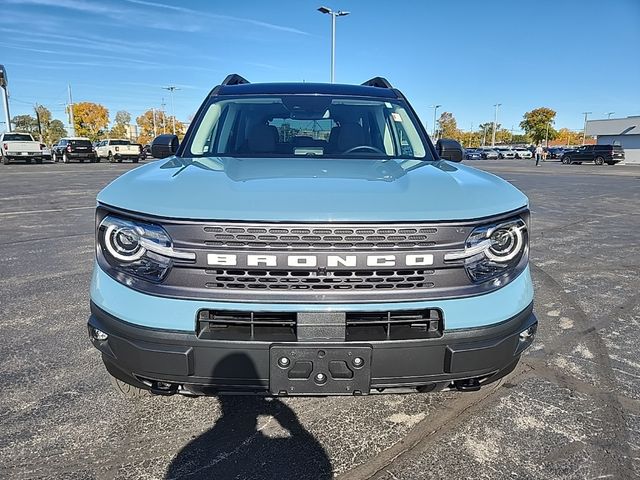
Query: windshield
x=17, y=137
x=80, y=143
x=307, y=125
x=119, y=142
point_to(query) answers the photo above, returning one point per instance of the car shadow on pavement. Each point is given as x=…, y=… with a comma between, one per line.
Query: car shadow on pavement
x=243, y=446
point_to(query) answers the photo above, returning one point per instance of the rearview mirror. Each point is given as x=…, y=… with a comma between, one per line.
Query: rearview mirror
x=450, y=150
x=164, y=146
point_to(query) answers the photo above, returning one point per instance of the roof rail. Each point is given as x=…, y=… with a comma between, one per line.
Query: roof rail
x=379, y=82
x=234, y=79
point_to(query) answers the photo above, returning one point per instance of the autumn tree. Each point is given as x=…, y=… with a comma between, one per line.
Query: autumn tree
x=90, y=120
x=163, y=124
x=54, y=132
x=448, y=126
x=569, y=137
x=538, y=124
x=122, y=121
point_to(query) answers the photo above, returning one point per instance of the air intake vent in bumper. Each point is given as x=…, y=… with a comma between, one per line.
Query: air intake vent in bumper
x=397, y=325
x=246, y=326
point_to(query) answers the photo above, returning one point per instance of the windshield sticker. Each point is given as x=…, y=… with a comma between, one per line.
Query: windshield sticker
x=396, y=117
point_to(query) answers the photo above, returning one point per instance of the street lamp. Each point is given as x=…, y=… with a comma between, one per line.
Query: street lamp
x=333, y=14
x=608, y=114
x=495, y=125
x=4, y=82
x=584, y=130
x=435, y=109
x=171, y=89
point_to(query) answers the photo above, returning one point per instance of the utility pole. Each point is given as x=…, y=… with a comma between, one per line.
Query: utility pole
x=333, y=14
x=171, y=89
x=164, y=117
x=495, y=125
x=155, y=131
x=4, y=86
x=584, y=130
x=35, y=109
x=484, y=135
x=608, y=114
x=72, y=125
x=435, y=109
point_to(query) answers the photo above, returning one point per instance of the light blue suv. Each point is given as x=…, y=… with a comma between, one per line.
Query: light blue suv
x=309, y=239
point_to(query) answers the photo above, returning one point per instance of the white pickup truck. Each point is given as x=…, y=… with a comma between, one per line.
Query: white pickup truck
x=118, y=150
x=20, y=146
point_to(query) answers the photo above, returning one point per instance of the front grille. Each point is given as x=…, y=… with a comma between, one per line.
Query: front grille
x=287, y=237
x=400, y=325
x=312, y=280
x=238, y=325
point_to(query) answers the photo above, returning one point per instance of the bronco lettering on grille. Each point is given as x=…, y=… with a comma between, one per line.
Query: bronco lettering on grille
x=341, y=262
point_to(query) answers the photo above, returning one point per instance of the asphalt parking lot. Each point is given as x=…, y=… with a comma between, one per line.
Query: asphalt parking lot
x=570, y=410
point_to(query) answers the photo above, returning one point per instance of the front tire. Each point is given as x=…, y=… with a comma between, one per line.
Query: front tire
x=5, y=160
x=599, y=161
x=65, y=158
x=566, y=160
x=110, y=157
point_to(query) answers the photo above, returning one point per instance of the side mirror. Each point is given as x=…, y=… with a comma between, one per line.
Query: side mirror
x=164, y=146
x=450, y=150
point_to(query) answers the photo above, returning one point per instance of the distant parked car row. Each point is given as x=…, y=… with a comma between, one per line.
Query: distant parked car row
x=497, y=152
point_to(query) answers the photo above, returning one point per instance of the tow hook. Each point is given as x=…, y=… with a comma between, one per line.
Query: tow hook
x=164, y=388
x=467, y=385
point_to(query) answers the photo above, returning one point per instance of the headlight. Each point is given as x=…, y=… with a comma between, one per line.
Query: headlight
x=136, y=248
x=496, y=250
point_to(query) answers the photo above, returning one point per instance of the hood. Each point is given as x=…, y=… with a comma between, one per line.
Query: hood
x=311, y=190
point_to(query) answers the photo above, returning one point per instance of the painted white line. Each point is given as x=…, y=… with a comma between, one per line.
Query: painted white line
x=27, y=212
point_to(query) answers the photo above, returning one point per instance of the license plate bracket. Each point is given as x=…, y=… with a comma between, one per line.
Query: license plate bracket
x=319, y=370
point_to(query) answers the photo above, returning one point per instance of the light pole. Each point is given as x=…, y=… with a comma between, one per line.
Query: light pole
x=333, y=14
x=171, y=89
x=435, y=109
x=608, y=114
x=495, y=125
x=4, y=82
x=584, y=130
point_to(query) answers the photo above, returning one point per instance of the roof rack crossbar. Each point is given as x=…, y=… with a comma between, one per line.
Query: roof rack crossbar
x=379, y=82
x=234, y=79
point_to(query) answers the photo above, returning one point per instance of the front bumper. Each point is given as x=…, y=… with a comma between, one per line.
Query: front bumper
x=178, y=361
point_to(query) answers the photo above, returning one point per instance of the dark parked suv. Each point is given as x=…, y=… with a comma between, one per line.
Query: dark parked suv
x=69, y=149
x=599, y=154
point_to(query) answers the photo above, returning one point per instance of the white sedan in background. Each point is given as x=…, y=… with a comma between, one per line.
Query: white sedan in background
x=523, y=153
x=505, y=152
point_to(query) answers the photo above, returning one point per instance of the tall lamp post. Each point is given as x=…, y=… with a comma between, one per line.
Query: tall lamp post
x=495, y=125
x=5, y=96
x=171, y=89
x=608, y=114
x=435, y=109
x=333, y=14
x=584, y=130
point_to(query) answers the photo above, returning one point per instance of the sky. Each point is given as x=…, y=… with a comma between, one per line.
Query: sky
x=466, y=55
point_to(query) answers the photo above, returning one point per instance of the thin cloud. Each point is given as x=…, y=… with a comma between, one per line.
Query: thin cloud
x=198, y=13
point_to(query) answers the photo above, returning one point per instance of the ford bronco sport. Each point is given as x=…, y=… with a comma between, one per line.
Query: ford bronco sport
x=309, y=239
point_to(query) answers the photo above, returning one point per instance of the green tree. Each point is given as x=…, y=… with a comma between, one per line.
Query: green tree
x=538, y=124
x=119, y=130
x=90, y=120
x=54, y=132
x=25, y=123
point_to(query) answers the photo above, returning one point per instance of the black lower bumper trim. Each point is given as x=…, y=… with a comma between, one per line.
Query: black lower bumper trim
x=141, y=356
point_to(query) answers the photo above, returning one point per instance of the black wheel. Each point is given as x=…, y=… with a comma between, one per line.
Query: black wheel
x=82, y=160
x=611, y=163
x=65, y=159
x=110, y=157
x=5, y=160
x=119, y=159
x=599, y=161
x=566, y=160
x=97, y=160
x=135, y=160
x=128, y=391
x=28, y=161
x=38, y=160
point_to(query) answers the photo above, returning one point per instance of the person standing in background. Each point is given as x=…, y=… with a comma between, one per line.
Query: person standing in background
x=539, y=152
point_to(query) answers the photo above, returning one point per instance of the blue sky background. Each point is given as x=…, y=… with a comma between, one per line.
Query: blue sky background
x=572, y=56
